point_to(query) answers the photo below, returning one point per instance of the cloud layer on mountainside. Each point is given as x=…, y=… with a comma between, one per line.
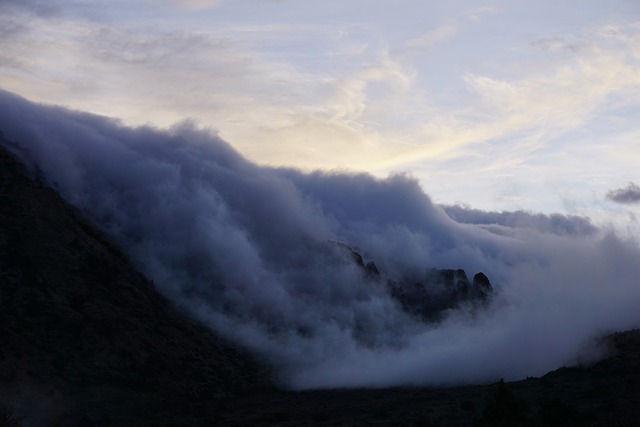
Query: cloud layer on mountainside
x=246, y=250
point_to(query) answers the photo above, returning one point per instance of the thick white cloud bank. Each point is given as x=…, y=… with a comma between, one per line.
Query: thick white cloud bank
x=245, y=249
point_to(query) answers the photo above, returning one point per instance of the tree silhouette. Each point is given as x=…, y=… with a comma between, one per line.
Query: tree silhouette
x=503, y=410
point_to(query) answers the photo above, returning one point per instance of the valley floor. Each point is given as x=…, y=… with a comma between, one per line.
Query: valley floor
x=604, y=394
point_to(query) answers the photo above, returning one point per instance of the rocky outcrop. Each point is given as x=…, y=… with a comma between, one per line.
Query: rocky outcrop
x=482, y=285
x=372, y=270
x=439, y=290
x=350, y=253
x=429, y=295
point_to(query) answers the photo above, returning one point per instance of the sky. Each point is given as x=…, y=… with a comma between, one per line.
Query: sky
x=494, y=105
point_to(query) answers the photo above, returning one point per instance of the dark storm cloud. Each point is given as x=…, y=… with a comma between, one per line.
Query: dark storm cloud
x=246, y=249
x=554, y=223
x=628, y=195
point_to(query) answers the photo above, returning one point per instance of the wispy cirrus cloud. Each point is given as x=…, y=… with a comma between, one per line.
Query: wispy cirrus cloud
x=433, y=37
x=197, y=4
x=41, y=8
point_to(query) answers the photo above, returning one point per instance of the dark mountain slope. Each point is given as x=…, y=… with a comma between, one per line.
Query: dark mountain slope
x=81, y=332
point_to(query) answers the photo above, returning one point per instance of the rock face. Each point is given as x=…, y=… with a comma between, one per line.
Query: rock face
x=82, y=332
x=482, y=284
x=372, y=270
x=354, y=256
x=430, y=294
x=438, y=290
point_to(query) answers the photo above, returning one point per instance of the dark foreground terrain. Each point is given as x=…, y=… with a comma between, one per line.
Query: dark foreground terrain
x=604, y=394
x=86, y=340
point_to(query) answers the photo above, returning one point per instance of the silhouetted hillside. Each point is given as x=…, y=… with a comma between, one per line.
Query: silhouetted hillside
x=83, y=335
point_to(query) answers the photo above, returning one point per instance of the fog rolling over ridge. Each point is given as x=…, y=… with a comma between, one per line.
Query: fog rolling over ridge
x=246, y=250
